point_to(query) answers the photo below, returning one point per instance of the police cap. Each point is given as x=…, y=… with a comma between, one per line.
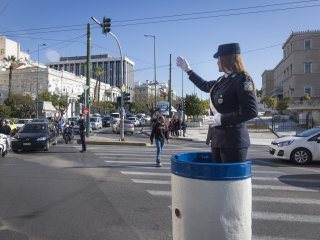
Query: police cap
x=227, y=49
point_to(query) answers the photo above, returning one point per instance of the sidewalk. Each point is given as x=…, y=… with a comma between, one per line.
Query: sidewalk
x=196, y=134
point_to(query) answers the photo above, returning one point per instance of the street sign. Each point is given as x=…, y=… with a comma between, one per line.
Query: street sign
x=85, y=111
x=123, y=88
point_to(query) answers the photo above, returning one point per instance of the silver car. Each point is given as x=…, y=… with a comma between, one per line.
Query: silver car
x=128, y=127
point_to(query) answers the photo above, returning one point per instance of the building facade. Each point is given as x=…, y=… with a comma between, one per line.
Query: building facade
x=111, y=69
x=145, y=91
x=298, y=72
x=30, y=80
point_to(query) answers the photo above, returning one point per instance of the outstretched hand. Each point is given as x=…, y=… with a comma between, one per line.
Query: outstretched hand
x=183, y=64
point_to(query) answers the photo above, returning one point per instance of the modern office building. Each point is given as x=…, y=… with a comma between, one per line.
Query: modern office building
x=111, y=69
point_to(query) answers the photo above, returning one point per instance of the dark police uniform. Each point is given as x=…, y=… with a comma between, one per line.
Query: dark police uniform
x=233, y=96
x=82, y=131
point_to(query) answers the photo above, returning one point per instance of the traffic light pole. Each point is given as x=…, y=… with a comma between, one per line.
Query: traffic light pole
x=106, y=31
x=88, y=80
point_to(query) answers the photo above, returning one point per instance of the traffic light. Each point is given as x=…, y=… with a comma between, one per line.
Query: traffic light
x=119, y=101
x=81, y=98
x=90, y=100
x=183, y=102
x=126, y=98
x=106, y=25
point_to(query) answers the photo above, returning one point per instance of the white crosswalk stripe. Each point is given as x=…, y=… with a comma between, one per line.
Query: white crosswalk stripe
x=286, y=217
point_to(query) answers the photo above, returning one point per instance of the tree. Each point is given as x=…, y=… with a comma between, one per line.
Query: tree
x=99, y=72
x=21, y=106
x=282, y=105
x=205, y=106
x=59, y=102
x=5, y=111
x=193, y=106
x=270, y=102
x=12, y=61
x=306, y=97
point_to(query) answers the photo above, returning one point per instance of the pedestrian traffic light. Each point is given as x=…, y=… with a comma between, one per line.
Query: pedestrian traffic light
x=126, y=98
x=81, y=98
x=119, y=101
x=106, y=25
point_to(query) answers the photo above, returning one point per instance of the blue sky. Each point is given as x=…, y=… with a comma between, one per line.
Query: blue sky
x=61, y=25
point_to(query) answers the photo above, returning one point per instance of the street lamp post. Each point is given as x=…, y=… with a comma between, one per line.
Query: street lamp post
x=43, y=44
x=154, y=68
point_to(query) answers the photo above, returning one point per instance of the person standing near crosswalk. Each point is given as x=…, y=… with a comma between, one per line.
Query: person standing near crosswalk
x=159, y=132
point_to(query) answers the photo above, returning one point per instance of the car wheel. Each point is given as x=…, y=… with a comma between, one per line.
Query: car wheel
x=15, y=150
x=301, y=156
x=55, y=142
x=47, y=146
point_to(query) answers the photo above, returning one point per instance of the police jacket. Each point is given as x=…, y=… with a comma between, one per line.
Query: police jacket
x=82, y=126
x=233, y=96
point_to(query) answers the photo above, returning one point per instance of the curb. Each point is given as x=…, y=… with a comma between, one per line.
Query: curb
x=117, y=143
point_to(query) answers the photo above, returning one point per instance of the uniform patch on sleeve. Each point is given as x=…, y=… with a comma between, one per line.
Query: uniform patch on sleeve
x=248, y=86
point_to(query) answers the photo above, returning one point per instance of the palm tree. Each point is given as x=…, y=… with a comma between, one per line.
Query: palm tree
x=99, y=72
x=12, y=61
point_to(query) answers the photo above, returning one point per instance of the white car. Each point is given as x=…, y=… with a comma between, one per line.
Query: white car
x=21, y=122
x=301, y=148
x=96, y=122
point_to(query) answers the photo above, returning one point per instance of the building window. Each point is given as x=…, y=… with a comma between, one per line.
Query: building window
x=307, y=44
x=308, y=90
x=307, y=67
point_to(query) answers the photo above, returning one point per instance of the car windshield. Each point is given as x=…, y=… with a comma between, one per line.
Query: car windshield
x=106, y=118
x=21, y=121
x=309, y=132
x=93, y=119
x=127, y=122
x=33, y=128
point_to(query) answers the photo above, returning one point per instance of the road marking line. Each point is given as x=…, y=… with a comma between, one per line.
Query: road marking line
x=303, y=201
x=286, y=179
x=146, y=173
x=301, y=168
x=271, y=172
x=135, y=162
x=284, y=188
x=107, y=155
x=151, y=181
x=283, y=217
x=255, y=237
x=254, y=186
x=160, y=193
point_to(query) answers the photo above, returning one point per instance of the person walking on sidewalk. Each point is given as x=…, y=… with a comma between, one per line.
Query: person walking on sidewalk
x=82, y=131
x=232, y=102
x=160, y=134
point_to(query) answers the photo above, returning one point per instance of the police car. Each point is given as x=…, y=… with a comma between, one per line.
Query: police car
x=301, y=149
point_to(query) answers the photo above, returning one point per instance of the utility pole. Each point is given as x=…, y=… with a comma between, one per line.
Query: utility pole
x=169, y=96
x=88, y=79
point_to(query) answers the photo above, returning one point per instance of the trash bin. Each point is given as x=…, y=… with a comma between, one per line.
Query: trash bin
x=210, y=200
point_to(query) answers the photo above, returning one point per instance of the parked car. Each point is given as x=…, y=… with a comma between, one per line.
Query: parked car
x=134, y=120
x=40, y=120
x=96, y=122
x=34, y=136
x=128, y=127
x=21, y=122
x=106, y=121
x=302, y=148
x=76, y=128
x=73, y=120
x=11, y=124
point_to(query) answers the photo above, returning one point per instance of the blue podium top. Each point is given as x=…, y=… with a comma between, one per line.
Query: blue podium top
x=199, y=165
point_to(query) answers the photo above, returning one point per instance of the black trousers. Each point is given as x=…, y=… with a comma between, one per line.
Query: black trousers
x=228, y=155
x=83, y=141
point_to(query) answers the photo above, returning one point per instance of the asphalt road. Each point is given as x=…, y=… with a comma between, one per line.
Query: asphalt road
x=116, y=192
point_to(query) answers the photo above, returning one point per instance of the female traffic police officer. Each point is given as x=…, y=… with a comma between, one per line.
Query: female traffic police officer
x=232, y=102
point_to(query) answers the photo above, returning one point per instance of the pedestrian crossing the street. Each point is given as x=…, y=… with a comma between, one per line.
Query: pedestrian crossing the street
x=277, y=195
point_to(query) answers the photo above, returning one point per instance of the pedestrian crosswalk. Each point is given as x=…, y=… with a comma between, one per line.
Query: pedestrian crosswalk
x=277, y=196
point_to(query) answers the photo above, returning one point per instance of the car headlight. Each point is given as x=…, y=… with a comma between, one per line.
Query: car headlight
x=42, y=139
x=286, y=143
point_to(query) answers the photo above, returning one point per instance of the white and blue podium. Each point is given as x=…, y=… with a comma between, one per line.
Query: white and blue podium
x=210, y=201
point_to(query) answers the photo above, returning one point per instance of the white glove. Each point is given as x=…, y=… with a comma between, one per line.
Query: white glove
x=216, y=120
x=183, y=64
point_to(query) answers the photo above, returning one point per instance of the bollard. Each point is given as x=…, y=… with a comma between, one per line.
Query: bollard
x=210, y=200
